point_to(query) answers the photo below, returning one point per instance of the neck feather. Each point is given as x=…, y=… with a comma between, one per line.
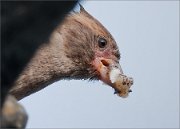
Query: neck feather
x=48, y=65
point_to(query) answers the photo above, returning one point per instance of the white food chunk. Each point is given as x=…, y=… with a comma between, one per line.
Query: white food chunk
x=114, y=74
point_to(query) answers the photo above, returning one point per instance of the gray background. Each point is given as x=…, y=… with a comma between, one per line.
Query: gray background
x=147, y=33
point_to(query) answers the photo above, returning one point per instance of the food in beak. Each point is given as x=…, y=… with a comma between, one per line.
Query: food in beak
x=121, y=83
x=110, y=72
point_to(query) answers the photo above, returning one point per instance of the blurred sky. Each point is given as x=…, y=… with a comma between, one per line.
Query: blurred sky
x=147, y=33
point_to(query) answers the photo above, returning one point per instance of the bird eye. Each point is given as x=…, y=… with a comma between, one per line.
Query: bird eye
x=102, y=42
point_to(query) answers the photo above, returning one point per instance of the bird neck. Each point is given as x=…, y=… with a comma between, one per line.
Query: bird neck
x=48, y=65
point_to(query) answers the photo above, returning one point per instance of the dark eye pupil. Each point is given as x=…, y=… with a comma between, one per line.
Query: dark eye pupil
x=102, y=42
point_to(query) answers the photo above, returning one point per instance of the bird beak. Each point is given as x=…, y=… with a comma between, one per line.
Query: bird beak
x=104, y=66
x=110, y=72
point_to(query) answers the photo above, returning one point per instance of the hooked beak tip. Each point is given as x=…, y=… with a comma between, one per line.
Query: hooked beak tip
x=130, y=90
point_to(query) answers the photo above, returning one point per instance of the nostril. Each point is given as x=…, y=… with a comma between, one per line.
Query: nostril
x=105, y=63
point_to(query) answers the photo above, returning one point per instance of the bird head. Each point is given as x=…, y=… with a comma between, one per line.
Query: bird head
x=90, y=46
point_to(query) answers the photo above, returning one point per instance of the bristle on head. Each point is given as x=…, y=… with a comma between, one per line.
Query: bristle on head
x=81, y=8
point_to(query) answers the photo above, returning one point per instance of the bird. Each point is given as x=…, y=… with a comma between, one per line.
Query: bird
x=78, y=48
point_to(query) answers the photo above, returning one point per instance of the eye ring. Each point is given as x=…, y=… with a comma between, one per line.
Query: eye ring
x=102, y=42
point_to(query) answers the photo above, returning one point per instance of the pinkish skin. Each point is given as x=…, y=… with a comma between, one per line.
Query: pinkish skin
x=104, y=67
